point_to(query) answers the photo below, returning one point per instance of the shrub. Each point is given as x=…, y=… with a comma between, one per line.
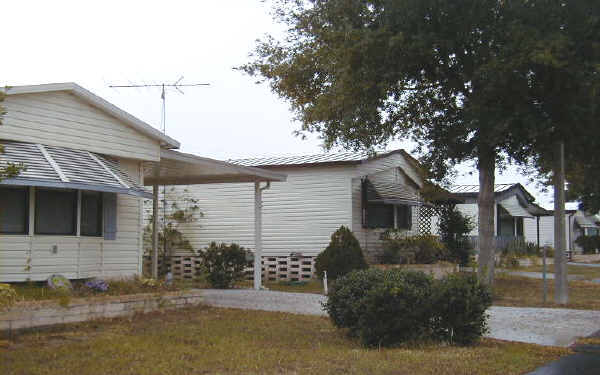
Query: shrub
x=454, y=227
x=8, y=296
x=224, y=264
x=421, y=249
x=589, y=244
x=460, y=308
x=342, y=255
x=395, y=306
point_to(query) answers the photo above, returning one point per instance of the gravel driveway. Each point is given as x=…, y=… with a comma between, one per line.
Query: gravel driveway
x=554, y=327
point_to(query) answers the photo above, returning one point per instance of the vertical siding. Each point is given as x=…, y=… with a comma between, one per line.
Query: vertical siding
x=61, y=119
x=30, y=258
x=299, y=215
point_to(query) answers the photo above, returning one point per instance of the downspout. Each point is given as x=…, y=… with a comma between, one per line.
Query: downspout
x=258, y=233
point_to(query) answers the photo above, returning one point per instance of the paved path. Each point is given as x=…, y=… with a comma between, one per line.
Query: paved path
x=544, y=326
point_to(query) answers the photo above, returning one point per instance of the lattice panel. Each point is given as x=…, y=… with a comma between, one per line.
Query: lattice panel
x=426, y=214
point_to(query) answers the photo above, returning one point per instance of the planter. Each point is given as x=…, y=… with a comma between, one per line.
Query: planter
x=32, y=314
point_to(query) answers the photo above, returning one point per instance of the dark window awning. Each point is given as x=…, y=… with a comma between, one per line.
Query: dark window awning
x=60, y=167
x=382, y=191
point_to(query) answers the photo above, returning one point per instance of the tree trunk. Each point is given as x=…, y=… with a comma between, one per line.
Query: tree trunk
x=561, y=287
x=487, y=246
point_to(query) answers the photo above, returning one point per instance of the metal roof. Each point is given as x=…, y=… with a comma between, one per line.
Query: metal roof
x=178, y=168
x=99, y=103
x=61, y=167
x=326, y=158
x=470, y=189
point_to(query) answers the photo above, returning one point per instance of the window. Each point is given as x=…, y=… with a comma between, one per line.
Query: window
x=91, y=213
x=380, y=215
x=14, y=210
x=55, y=212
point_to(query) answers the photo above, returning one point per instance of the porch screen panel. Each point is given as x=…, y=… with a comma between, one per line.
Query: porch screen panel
x=14, y=209
x=55, y=212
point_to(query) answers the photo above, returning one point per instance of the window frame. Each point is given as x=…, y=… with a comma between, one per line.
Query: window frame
x=27, y=210
x=100, y=213
x=75, y=194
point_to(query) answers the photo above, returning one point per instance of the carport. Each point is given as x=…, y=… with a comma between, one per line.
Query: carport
x=177, y=168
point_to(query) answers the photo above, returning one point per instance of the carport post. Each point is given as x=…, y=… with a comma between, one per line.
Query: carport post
x=155, y=231
x=258, y=233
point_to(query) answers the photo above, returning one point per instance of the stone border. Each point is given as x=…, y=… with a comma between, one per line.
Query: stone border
x=32, y=314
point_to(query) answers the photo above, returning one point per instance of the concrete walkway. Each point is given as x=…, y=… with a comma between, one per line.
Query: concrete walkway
x=543, y=326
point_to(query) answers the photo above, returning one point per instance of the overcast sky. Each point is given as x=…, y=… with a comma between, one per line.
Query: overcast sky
x=96, y=44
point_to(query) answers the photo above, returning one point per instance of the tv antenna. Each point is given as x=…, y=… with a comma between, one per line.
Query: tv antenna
x=177, y=86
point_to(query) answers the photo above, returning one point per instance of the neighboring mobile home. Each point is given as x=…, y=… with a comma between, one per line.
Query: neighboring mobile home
x=77, y=209
x=516, y=216
x=323, y=192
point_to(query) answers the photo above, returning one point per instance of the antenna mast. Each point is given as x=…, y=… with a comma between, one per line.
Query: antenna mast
x=177, y=86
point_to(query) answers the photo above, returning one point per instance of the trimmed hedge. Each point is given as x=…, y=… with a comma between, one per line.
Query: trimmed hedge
x=342, y=255
x=420, y=249
x=224, y=264
x=384, y=308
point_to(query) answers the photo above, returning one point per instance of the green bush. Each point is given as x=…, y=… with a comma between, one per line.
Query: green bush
x=460, y=309
x=589, y=244
x=454, y=227
x=421, y=249
x=224, y=264
x=384, y=308
x=342, y=255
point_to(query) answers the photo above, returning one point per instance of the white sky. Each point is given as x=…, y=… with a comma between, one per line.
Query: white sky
x=122, y=42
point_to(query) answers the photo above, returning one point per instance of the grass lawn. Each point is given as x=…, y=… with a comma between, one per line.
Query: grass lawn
x=227, y=341
x=588, y=273
x=526, y=292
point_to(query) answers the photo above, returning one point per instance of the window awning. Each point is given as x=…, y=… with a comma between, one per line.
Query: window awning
x=178, y=168
x=514, y=207
x=378, y=190
x=60, y=167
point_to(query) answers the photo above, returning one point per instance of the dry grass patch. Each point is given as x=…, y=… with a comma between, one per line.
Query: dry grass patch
x=526, y=292
x=229, y=341
x=589, y=273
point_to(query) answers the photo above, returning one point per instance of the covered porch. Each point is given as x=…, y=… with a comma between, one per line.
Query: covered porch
x=177, y=168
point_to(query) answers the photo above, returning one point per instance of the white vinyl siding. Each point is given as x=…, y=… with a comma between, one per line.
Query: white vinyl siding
x=299, y=215
x=61, y=119
x=24, y=257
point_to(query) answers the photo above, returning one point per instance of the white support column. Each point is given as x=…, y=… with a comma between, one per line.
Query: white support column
x=155, y=231
x=258, y=233
x=257, y=236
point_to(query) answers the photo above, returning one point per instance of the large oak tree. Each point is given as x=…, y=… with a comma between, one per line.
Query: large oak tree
x=455, y=76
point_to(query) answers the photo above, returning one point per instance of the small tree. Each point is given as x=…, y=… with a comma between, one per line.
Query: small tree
x=454, y=227
x=342, y=255
x=176, y=210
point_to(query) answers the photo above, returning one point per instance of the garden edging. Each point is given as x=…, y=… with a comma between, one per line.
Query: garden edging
x=32, y=314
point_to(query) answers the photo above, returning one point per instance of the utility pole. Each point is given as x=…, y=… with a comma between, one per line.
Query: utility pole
x=561, y=286
x=177, y=85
